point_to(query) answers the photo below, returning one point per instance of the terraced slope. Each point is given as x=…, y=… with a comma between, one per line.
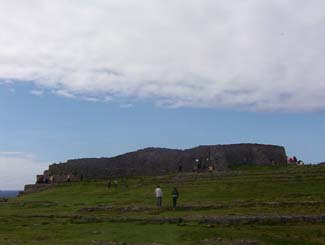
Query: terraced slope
x=248, y=205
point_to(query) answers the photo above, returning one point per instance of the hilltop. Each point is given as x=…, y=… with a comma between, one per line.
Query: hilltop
x=160, y=161
x=248, y=204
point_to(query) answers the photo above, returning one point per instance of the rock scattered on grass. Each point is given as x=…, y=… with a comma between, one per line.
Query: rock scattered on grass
x=2, y=199
x=107, y=243
x=221, y=241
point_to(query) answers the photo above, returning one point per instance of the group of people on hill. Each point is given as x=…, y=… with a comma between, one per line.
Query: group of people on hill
x=202, y=164
x=44, y=179
x=159, y=196
x=49, y=178
x=294, y=160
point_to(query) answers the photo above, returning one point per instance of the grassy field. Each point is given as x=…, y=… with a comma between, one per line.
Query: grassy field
x=248, y=205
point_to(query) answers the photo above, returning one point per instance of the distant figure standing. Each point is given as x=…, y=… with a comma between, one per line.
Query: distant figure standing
x=115, y=183
x=51, y=179
x=159, y=195
x=68, y=178
x=174, y=196
x=109, y=184
x=210, y=168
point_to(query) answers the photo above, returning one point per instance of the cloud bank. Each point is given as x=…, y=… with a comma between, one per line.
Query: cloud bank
x=260, y=55
x=18, y=169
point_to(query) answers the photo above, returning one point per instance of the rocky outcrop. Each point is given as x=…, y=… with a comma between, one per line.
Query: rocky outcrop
x=160, y=161
x=29, y=189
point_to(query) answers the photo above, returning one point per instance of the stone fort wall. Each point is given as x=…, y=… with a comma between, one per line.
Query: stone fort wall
x=159, y=161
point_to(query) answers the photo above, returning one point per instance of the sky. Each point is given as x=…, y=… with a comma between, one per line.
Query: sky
x=100, y=78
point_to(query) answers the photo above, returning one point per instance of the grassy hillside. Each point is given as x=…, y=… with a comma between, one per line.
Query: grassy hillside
x=248, y=205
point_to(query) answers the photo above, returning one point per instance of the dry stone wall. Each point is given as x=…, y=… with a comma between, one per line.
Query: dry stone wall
x=159, y=161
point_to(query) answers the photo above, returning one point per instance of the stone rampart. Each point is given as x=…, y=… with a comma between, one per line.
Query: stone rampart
x=160, y=161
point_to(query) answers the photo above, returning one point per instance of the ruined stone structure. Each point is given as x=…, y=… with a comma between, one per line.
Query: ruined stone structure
x=159, y=161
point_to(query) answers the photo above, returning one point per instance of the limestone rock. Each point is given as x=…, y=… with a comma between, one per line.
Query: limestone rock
x=160, y=161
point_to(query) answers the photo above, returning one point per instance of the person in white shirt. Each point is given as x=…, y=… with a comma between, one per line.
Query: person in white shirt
x=159, y=195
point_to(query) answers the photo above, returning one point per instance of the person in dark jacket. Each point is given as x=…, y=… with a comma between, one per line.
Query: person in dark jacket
x=174, y=196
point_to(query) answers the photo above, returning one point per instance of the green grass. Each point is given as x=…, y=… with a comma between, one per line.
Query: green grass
x=54, y=216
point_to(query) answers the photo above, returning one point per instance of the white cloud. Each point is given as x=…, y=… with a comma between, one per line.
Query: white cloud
x=264, y=55
x=126, y=105
x=107, y=98
x=91, y=99
x=6, y=82
x=18, y=169
x=11, y=152
x=37, y=92
x=64, y=93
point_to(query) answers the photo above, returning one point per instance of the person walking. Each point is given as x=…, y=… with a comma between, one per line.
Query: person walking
x=159, y=195
x=175, y=196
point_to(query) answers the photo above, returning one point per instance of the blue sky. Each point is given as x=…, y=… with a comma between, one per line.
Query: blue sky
x=56, y=129
x=48, y=128
x=104, y=77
